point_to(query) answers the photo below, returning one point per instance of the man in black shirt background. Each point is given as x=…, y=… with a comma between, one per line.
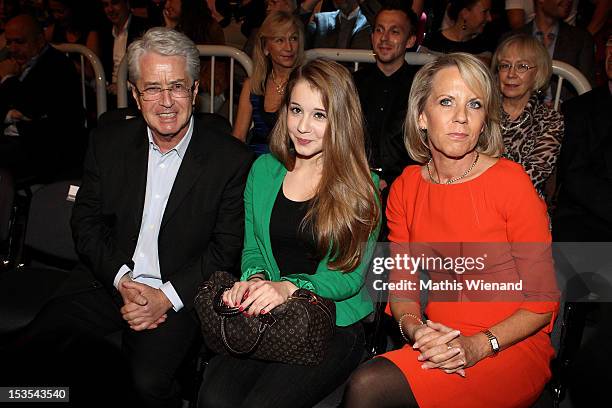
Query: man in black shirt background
x=383, y=90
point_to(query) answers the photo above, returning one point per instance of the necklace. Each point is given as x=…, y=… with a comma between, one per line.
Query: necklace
x=280, y=87
x=518, y=125
x=451, y=181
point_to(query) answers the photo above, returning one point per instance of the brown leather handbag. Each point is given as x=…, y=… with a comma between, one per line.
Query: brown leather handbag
x=296, y=332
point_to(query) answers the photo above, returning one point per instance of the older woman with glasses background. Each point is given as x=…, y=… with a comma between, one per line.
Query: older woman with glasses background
x=531, y=131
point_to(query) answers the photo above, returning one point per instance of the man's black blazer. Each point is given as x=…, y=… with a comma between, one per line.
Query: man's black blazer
x=203, y=223
x=50, y=95
x=574, y=45
x=585, y=168
x=324, y=29
x=136, y=29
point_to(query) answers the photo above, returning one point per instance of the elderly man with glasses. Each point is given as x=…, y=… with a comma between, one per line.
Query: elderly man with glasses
x=160, y=207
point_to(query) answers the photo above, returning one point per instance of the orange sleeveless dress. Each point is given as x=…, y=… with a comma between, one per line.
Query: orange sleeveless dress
x=498, y=206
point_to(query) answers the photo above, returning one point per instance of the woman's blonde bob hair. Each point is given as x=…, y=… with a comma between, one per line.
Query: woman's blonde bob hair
x=529, y=48
x=478, y=78
x=345, y=208
x=276, y=24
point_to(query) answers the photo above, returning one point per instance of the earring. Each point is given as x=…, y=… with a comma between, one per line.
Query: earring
x=424, y=137
x=464, y=25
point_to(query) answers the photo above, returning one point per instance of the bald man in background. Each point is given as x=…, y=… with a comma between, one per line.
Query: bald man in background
x=41, y=113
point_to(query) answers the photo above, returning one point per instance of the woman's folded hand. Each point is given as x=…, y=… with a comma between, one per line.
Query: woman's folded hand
x=234, y=296
x=451, y=351
x=258, y=296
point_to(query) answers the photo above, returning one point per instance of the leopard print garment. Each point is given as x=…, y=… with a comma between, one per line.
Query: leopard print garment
x=534, y=140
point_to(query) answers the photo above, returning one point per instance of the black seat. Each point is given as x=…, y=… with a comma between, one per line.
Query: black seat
x=7, y=195
x=49, y=255
x=115, y=115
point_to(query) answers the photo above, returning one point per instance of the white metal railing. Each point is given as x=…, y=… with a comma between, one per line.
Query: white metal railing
x=213, y=51
x=564, y=71
x=100, y=79
x=567, y=72
x=362, y=56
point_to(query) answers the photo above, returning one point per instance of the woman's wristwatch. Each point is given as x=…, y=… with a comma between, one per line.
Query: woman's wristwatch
x=492, y=341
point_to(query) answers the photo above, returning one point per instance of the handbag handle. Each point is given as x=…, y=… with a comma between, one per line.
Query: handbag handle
x=313, y=299
x=225, y=312
x=221, y=308
x=260, y=331
x=265, y=321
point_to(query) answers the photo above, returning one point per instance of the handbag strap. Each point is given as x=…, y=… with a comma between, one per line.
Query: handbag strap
x=260, y=331
x=265, y=321
x=220, y=308
x=315, y=301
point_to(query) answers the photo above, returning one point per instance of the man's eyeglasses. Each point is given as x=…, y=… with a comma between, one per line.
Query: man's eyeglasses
x=153, y=93
x=521, y=68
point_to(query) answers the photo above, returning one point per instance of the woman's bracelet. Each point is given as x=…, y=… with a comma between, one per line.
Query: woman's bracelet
x=252, y=277
x=401, y=320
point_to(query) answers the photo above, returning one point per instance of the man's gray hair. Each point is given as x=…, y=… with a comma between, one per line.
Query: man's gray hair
x=167, y=42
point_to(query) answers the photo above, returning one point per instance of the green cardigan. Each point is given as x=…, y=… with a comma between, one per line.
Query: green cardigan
x=353, y=302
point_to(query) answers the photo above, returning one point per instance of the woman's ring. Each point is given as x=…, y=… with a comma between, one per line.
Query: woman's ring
x=448, y=346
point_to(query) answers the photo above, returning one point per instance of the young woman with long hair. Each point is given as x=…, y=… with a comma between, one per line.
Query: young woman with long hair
x=312, y=217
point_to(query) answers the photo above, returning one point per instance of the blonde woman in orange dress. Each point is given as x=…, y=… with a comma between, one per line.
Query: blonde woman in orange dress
x=468, y=353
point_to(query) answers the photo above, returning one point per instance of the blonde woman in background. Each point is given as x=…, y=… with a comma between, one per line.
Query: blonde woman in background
x=279, y=48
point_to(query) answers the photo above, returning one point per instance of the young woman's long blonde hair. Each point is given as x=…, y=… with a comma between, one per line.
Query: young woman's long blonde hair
x=345, y=209
x=278, y=23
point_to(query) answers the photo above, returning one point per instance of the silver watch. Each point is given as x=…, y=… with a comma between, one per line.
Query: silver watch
x=492, y=341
